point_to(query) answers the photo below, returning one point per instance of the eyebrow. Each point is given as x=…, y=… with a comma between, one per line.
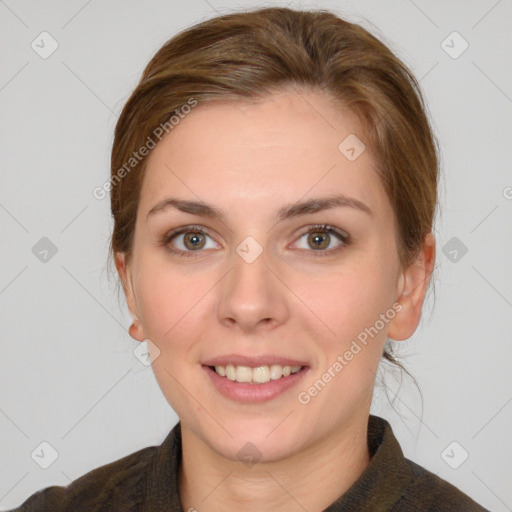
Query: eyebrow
x=289, y=211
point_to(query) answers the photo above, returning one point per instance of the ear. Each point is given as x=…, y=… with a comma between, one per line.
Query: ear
x=136, y=330
x=411, y=290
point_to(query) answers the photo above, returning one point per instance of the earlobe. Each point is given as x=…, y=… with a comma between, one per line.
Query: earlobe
x=411, y=291
x=136, y=331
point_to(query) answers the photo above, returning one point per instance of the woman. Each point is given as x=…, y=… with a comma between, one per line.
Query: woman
x=274, y=183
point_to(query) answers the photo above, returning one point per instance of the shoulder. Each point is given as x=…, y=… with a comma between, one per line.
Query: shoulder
x=434, y=494
x=119, y=485
x=398, y=484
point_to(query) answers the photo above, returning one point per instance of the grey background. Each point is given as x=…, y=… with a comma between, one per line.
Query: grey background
x=68, y=375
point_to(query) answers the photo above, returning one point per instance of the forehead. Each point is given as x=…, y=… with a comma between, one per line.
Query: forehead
x=274, y=150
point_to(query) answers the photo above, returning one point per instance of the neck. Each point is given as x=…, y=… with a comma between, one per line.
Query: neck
x=310, y=480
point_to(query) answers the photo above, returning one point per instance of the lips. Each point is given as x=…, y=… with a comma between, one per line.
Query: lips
x=258, y=388
x=253, y=361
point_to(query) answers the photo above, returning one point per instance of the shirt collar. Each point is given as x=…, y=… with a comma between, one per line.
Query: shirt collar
x=380, y=486
x=386, y=478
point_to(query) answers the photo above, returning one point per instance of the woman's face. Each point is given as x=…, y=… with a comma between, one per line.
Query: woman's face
x=262, y=282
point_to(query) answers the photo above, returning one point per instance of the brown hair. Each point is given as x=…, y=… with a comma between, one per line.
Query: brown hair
x=249, y=55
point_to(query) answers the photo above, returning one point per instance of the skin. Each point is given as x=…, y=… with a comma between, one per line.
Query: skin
x=249, y=160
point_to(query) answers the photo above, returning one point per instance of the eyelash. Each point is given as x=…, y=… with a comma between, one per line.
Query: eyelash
x=344, y=238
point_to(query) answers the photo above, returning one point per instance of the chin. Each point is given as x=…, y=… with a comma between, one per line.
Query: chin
x=263, y=441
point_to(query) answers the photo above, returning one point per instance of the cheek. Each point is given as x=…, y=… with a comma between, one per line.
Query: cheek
x=171, y=308
x=347, y=301
x=168, y=301
x=350, y=304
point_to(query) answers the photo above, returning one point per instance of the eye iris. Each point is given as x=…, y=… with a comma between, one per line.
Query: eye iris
x=196, y=239
x=319, y=240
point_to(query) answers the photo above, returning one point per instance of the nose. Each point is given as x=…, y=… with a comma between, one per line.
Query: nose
x=252, y=297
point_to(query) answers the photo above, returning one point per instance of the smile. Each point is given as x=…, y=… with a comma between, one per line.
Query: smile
x=252, y=385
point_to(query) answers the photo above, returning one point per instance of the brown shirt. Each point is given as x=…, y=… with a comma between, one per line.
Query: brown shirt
x=147, y=481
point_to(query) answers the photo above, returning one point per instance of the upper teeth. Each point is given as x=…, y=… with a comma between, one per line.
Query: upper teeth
x=261, y=374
